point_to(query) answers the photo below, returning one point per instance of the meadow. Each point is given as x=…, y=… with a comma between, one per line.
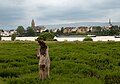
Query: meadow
x=71, y=63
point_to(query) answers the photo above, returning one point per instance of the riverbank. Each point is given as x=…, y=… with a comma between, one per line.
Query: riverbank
x=20, y=38
x=97, y=38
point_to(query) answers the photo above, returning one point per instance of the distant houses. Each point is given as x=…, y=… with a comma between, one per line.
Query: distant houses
x=83, y=29
x=39, y=29
x=80, y=29
x=68, y=29
x=7, y=32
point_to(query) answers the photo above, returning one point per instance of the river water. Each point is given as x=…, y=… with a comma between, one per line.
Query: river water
x=20, y=38
x=97, y=38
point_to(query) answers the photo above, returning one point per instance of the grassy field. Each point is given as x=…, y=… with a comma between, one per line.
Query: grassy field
x=71, y=63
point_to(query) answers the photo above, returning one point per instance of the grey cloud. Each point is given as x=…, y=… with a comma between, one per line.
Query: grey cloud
x=17, y=12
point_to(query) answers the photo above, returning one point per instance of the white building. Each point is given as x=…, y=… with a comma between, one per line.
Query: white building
x=7, y=32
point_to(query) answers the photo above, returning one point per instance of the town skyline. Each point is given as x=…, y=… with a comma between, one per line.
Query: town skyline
x=107, y=29
x=20, y=12
x=57, y=26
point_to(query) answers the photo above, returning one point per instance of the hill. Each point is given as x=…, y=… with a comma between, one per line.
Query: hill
x=71, y=63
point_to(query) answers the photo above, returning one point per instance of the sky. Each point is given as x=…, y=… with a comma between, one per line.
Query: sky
x=14, y=13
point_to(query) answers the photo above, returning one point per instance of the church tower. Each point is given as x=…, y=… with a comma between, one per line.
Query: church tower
x=33, y=24
x=110, y=23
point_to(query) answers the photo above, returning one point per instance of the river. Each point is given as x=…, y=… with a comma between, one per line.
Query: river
x=97, y=38
x=20, y=38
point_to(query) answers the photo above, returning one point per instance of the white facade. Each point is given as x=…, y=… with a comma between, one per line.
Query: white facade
x=7, y=32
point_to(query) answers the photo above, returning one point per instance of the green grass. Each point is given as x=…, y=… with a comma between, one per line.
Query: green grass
x=71, y=63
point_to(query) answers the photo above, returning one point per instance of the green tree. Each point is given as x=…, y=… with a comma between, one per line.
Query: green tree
x=46, y=36
x=20, y=30
x=62, y=29
x=13, y=37
x=114, y=30
x=51, y=31
x=30, y=32
x=58, y=32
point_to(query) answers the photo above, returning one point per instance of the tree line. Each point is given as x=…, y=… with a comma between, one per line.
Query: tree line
x=22, y=32
x=49, y=34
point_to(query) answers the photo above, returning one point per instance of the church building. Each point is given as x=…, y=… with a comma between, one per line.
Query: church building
x=38, y=29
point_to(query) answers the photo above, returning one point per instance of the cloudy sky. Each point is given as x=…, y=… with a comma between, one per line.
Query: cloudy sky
x=20, y=12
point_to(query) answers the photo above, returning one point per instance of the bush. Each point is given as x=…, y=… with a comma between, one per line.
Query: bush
x=13, y=37
x=87, y=39
x=46, y=36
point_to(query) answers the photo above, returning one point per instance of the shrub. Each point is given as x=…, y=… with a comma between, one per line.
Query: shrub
x=13, y=37
x=87, y=39
x=46, y=36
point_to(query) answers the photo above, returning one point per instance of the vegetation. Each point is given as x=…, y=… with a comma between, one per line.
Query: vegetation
x=87, y=39
x=13, y=37
x=30, y=32
x=71, y=63
x=96, y=30
x=114, y=30
x=20, y=30
x=46, y=36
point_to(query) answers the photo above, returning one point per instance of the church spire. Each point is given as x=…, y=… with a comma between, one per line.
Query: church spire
x=33, y=24
x=110, y=23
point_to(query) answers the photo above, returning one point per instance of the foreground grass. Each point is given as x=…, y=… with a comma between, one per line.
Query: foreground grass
x=71, y=63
